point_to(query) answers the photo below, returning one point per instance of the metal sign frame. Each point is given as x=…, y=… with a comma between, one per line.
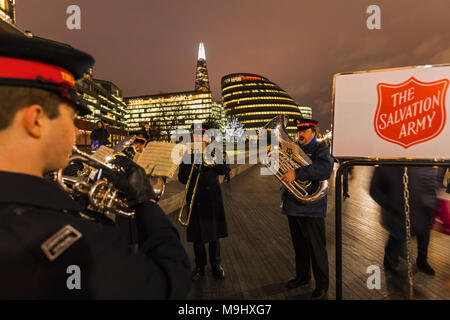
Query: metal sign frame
x=368, y=161
x=333, y=107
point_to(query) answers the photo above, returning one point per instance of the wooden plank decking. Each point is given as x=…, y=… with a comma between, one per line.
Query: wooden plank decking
x=258, y=256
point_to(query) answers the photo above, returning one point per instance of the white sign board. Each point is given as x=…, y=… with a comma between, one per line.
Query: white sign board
x=392, y=113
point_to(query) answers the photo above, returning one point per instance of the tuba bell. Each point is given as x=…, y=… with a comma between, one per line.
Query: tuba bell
x=289, y=156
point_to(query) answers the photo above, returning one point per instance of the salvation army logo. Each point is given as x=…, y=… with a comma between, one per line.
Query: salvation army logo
x=411, y=112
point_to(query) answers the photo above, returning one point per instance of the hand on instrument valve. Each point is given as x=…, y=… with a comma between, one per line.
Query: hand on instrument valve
x=289, y=176
x=134, y=182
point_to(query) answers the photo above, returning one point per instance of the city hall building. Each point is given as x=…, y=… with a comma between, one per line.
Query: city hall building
x=306, y=112
x=254, y=100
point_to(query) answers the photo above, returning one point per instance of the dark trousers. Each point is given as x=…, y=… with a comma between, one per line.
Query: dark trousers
x=200, y=253
x=308, y=238
x=227, y=175
x=345, y=182
x=396, y=247
x=345, y=179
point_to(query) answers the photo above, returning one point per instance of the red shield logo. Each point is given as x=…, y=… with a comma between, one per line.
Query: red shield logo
x=411, y=112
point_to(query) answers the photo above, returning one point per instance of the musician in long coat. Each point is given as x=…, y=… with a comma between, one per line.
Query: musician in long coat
x=207, y=222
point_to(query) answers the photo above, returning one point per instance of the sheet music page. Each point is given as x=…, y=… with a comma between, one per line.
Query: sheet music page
x=196, y=147
x=102, y=153
x=156, y=158
x=136, y=157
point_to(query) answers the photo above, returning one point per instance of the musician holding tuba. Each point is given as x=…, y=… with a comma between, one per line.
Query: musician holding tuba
x=207, y=223
x=307, y=220
x=47, y=250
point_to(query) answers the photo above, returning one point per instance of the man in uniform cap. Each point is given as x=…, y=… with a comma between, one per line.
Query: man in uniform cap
x=47, y=250
x=307, y=221
x=207, y=223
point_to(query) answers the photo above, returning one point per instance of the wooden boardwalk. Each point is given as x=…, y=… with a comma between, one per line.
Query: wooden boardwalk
x=258, y=256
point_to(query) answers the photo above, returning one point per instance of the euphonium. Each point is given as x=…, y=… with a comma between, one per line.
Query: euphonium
x=91, y=187
x=286, y=158
x=89, y=180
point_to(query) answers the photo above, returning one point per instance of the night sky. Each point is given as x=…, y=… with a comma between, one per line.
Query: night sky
x=150, y=46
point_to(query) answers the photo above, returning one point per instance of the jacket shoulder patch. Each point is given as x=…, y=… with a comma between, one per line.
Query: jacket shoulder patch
x=60, y=242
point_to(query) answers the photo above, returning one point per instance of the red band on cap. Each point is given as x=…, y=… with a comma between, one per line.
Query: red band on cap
x=306, y=124
x=14, y=68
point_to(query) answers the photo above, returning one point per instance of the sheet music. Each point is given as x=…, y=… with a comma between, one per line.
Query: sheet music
x=102, y=153
x=196, y=147
x=156, y=158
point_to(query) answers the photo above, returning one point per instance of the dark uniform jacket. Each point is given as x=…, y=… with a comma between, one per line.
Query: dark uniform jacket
x=320, y=169
x=208, y=214
x=386, y=188
x=42, y=237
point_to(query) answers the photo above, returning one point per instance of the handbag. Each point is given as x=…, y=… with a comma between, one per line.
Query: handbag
x=95, y=145
x=441, y=220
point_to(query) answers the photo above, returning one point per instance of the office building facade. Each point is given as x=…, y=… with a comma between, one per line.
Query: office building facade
x=171, y=111
x=7, y=11
x=105, y=100
x=176, y=110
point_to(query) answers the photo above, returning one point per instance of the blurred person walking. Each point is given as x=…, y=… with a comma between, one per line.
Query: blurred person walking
x=387, y=190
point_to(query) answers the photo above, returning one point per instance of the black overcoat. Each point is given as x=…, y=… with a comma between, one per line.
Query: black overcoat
x=207, y=221
x=386, y=189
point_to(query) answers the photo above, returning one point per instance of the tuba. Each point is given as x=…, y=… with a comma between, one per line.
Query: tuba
x=289, y=156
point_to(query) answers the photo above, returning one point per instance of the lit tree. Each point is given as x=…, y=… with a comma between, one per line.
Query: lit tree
x=233, y=129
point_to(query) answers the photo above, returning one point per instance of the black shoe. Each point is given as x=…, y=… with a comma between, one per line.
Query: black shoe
x=218, y=272
x=297, y=282
x=197, y=273
x=319, y=294
x=346, y=195
x=423, y=266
